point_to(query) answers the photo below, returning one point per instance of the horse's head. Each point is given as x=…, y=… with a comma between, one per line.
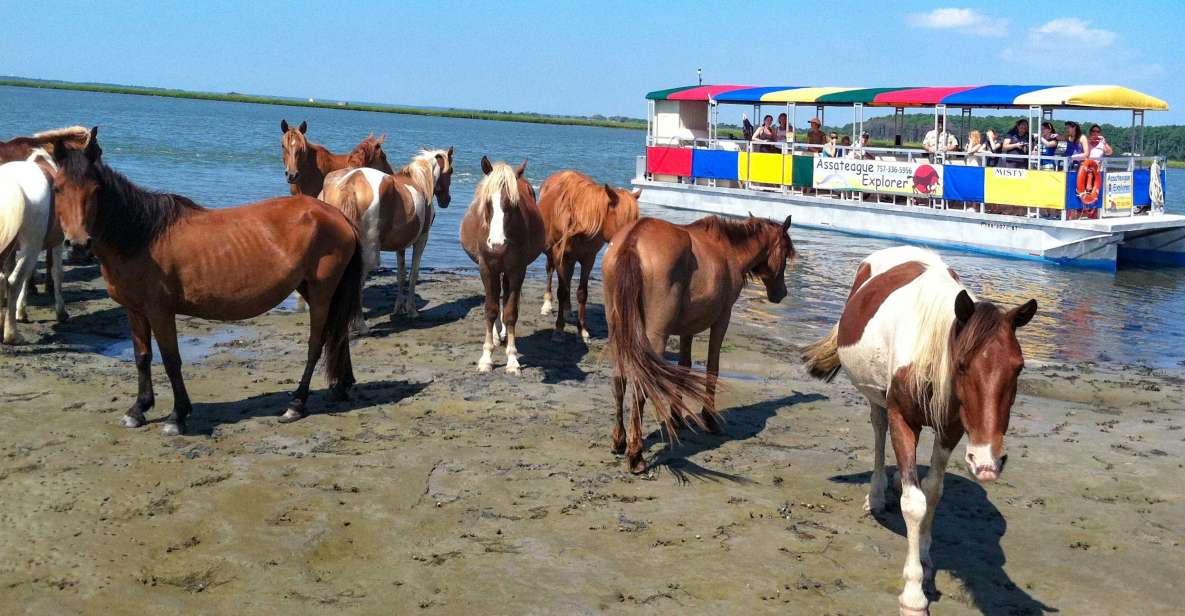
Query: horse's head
x=369, y=153
x=295, y=147
x=987, y=361
x=623, y=209
x=76, y=189
x=501, y=191
x=779, y=249
x=444, y=176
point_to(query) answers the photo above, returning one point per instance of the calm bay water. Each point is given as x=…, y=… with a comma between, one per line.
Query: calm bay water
x=223, y=154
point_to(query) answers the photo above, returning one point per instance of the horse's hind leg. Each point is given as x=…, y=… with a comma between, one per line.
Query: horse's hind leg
x=618, y=408
x=142, y=345
x=546, y=310
x=400, y=282
x=633, y=448
x=165, y=328
x=16, y=296
x=586, y=266
x=319, y=300
x=564, y=273
x=416, y=254
x=55, y=278
x=875, y=501
x=684, y=360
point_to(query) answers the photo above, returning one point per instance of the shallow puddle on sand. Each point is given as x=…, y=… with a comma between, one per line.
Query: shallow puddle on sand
x=194, y=349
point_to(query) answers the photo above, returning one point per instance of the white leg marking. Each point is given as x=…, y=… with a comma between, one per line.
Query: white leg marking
x=497, y=235
x=486, y=363
x=932, y=488
x=875, y=501
x=546, y=310
x=512, y=366
x=913, y=509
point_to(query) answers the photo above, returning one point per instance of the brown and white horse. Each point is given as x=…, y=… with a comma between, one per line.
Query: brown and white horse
x=393, y=210
x=503, y=233
x=163, y=255
x=664, y=280
x=581, y=217
x=306, y=163
x=925, y=353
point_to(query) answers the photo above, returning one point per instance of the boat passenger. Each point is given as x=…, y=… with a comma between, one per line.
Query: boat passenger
x=1076, y=146
x=975, y=149
x=747, y=128
x=1098, y=143
x=781, y=131
x=815, y=135
x=846, y=144
x=830, y=149
x=938, y=140
x=859, y=150
x=1048, y=146
x=1017, y=142
x=765, y=132
x=992, y=145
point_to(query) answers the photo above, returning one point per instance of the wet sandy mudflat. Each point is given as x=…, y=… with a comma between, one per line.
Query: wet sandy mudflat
x=439, y=490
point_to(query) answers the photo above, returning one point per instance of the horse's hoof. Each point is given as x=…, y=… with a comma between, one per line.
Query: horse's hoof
x=128, y=421
x=13, y=338
x=290, y=416
x=339, y=393
x=485, y=366
x=618, y=448
x=63, y=316
x=586, y=336
x=513, y=370
x=638, y=467
x=546, y=309
x=913, y=611
x=171, y=429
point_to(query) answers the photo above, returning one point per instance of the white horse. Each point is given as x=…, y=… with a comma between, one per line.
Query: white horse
x=26, y=209
x=925, y=353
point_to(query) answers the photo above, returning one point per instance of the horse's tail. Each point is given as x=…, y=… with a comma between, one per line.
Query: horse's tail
x=12, y=213
x=822, y=356
x=648, y=374
x=344, y=309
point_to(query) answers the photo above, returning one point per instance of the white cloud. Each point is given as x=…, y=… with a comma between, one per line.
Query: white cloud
x=1044, y=45
x=968, y=21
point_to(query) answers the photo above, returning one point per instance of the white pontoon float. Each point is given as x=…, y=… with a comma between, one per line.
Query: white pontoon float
x=907, y=194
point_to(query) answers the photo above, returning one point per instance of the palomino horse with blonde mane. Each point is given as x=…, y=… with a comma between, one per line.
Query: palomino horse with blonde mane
x=664, y=280
x=581, y=217
x=163, y=255
x=503, y=233
x=306, y=163
x=925, y=353
x=393, y=210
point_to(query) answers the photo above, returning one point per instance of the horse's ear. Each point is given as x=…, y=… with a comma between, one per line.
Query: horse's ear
x=283, y=126
x=750, y=214
x=486, y=167
x=786, y=224
x=382, y=138
x=964, y=307
x=637, y=192
x=1023, y=314
x=522, y=168
x=304, y=127
x=450, y=152
x=612, y=194
x=93, y=151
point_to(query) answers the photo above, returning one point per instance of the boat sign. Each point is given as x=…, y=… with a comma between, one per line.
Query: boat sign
x=893, y=177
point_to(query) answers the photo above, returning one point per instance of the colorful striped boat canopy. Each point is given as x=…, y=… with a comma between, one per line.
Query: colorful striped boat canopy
x=1087, y=96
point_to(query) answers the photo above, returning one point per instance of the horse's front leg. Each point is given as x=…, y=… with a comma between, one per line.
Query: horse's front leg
x=142, y=346
x=874, y=503
x=510, y=318
x=55, y=279
x=932, y=488
x=912, y=601
x=586, y=266
x=493, y=287
x=546, y=309
x=417, y=252
x=165, y=328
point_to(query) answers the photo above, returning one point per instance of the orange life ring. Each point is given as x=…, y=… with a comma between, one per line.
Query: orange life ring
x=1090, y=180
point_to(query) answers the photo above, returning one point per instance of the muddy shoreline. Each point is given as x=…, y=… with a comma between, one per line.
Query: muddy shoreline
x=439, y=490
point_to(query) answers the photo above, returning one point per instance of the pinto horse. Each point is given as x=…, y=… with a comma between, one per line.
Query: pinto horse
x=26, y=210
x=503, y=233
x=163, y=255
x=925, y=353
x=664, y=280
x=306, y=163
x=581, y=217
x=393, y=210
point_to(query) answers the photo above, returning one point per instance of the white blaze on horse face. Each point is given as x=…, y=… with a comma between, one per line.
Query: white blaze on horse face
x=982, y=463
x=497, y=235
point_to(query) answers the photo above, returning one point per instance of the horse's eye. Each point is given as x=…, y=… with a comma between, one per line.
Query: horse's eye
x=961, y=367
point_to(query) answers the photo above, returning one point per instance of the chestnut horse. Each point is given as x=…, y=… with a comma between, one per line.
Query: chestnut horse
x=163, y=255
x=306, y=163
x=503, y=233
x=581, y=216
x=925, y=353
x=393, y=210
x=664, y=280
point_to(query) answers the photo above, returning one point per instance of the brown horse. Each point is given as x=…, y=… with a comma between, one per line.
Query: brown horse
x=503, y=233
x=925, y=353
x=393, y=210
x=581, y=216
x=163, y=255
x=664, y=280
x=306, y=163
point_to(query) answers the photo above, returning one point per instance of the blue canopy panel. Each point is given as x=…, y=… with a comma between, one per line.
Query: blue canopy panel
x=1004, y=96
x=750, y=95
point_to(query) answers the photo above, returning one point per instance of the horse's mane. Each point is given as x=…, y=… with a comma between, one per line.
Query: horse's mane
x=934, y=353
x=77, y=137
x=581, y=205
x=363, y=153
x=423, y=171
x=128, y=218
x=502, y=177
x=735, y=231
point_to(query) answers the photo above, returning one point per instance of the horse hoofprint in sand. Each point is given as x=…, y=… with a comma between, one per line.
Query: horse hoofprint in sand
x=925, y=353
x=393, y=211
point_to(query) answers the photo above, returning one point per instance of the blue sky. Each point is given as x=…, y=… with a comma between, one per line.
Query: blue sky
x=586, y=58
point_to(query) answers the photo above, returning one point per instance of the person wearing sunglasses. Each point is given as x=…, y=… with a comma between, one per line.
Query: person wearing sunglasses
x=1098, y=143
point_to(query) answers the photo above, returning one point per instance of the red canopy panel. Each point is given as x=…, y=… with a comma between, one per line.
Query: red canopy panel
x=918, y=96
x=703, y=93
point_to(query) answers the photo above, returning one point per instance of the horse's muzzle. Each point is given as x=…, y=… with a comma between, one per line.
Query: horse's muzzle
x=83, y=245
x=292, y=177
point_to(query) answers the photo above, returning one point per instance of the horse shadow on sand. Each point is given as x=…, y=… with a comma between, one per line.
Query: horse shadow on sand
x=377, y=302
x=559, y=357
x=740, y=423
x=966, y=543
x=205, y=416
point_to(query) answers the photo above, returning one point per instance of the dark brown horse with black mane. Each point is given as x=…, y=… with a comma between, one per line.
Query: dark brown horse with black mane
x=306, y=163
x=664, y=280
x=163, y=255
x=502, y=232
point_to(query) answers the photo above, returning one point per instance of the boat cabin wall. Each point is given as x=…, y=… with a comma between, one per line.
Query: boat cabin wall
x=680, y=122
